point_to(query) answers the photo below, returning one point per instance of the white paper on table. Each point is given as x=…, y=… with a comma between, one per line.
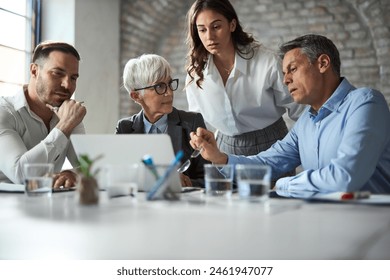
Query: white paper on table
x=9, y=187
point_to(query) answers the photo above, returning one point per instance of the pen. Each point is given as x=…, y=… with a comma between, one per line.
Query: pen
x=148, y=161
x=355, y=195
x=163, y=179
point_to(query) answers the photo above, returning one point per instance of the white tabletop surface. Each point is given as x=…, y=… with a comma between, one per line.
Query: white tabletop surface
x=196, y=227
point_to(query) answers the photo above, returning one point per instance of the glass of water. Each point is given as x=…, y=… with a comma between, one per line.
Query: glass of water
x=38, y=179
x=253, y=181
x=219, y=179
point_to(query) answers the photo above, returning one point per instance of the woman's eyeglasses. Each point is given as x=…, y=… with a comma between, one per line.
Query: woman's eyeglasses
x=162, y=87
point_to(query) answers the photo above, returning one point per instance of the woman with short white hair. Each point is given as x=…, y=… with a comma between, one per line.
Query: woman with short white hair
x=148, y=79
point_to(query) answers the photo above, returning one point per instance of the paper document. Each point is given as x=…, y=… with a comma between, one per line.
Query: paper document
x=9, y=187
x=357, y=198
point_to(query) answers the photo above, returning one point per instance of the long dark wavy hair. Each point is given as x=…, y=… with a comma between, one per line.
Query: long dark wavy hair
x=243, y=42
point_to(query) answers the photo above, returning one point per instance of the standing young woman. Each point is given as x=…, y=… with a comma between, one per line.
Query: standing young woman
x=235, y=82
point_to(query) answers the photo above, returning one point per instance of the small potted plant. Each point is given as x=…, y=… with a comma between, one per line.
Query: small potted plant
x=88, y=186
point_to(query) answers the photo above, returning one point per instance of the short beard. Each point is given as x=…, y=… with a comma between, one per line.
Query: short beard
x=42, y=90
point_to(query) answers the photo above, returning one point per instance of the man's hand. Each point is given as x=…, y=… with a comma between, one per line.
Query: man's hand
x=205, y=139
x=70, y=113
x=66, y=179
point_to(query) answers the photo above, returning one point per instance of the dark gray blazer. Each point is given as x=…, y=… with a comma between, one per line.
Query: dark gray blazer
x=180, y=124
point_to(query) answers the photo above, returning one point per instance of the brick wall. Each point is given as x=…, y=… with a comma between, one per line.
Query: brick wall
x=359, y=28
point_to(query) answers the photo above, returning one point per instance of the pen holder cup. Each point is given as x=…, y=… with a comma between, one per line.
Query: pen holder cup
x=159, y=183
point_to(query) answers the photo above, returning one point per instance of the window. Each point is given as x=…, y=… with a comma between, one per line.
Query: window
x=19, y=33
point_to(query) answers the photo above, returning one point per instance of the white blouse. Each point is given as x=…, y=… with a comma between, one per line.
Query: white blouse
x=254, y=96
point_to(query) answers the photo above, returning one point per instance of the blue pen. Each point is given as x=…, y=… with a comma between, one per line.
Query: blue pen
x=148, y=161
x=163, y=179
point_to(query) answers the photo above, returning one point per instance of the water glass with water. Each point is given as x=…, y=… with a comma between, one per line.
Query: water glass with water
x=38, y=179
x=219, y=179
x=253, y=181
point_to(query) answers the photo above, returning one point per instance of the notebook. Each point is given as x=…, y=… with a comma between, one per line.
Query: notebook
x=117, y=149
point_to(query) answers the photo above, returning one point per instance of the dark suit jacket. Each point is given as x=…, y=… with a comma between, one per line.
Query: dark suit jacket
x=180, y=124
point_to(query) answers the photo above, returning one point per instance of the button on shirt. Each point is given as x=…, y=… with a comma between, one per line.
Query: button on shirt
x=253, y=98
x=345, y=147
x=24, y=138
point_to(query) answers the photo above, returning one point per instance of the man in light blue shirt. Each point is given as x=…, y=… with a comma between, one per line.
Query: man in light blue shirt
x=342, y=139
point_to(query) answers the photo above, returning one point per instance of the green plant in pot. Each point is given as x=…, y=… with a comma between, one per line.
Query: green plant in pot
x=88, y=187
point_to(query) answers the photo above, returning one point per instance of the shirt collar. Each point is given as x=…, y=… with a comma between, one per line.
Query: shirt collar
x=161, y=124
x=334, y=101
x=20, y=100
x=209, y=66
x=240, y=64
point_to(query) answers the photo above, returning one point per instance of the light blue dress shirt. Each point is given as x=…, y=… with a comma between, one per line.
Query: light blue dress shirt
x=345, y=147
x=161, y=125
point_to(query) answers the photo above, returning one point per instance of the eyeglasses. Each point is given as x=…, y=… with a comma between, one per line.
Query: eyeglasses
x=162, y=87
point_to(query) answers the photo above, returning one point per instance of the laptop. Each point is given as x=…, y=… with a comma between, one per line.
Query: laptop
x=119, y=149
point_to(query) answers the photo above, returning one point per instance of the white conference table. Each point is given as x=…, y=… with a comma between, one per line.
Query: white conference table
x=196, y=227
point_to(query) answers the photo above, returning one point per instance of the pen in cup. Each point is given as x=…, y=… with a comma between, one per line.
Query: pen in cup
x=148, y=161
x=162, y=181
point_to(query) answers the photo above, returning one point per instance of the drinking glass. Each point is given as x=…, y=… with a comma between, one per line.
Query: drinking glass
x=253, y=181
x=38, y=179
x=219, y=179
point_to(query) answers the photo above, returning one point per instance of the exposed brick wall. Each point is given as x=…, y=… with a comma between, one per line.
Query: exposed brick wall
x=359, y=28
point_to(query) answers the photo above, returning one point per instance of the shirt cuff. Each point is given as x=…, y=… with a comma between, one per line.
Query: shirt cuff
x=283, y=183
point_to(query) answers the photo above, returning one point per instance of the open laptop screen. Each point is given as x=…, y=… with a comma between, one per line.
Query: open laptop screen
x=119, y=149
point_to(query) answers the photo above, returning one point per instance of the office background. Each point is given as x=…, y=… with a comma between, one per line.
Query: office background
x=109, y=32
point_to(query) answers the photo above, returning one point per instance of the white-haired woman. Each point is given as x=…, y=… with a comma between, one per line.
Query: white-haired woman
x=149, y=82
